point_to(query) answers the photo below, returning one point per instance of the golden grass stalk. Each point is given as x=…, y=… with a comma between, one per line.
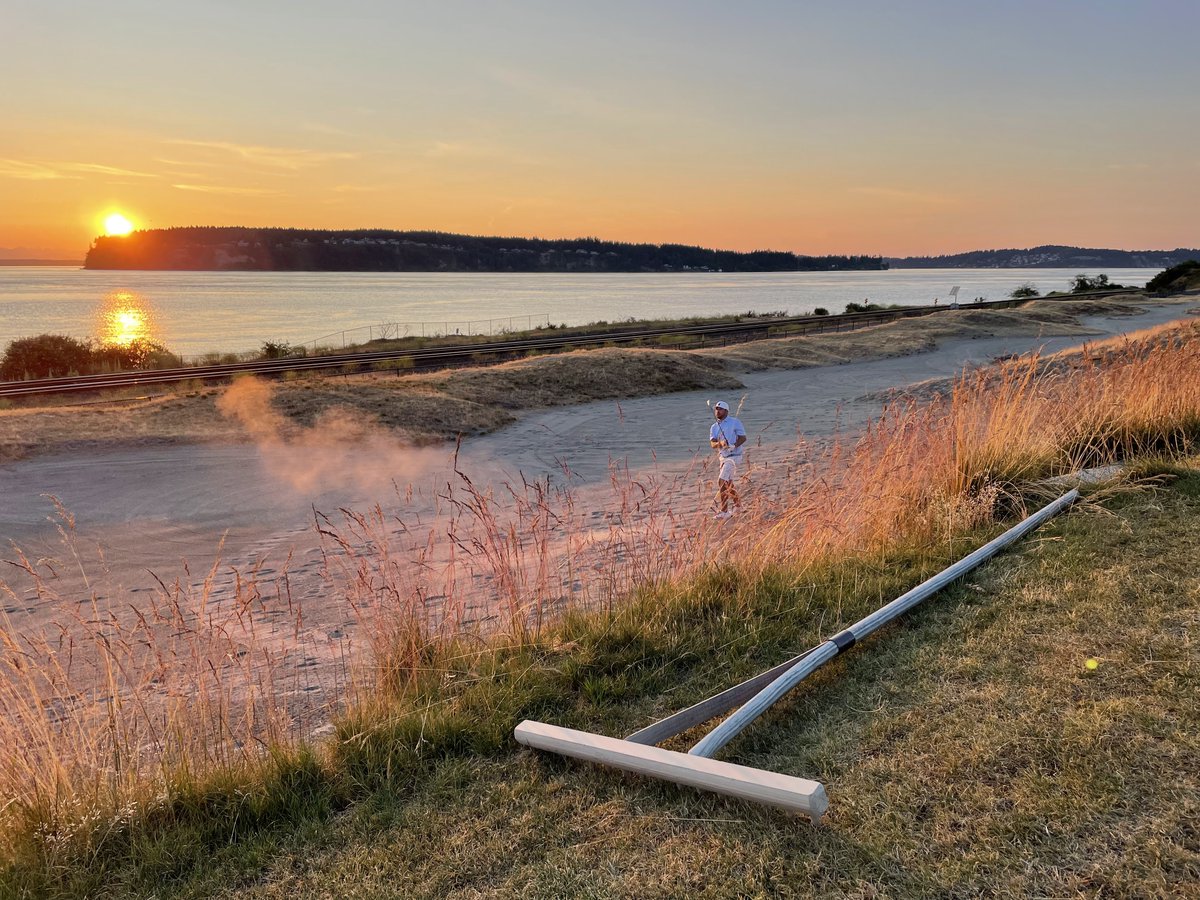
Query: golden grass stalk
x=115, y=698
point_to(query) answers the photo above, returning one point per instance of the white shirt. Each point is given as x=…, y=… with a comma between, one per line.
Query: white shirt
x=730, y=429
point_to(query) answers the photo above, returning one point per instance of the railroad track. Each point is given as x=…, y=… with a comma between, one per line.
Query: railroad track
x=425, y=359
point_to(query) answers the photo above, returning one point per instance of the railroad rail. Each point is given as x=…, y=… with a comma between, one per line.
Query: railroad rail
x=490, y=352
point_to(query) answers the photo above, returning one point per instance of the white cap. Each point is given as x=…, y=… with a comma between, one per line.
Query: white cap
x=721, y=404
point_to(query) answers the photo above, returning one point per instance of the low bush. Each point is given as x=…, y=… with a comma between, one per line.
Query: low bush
x=1182, y=276
x=137, y=354
x=279, y=350
x=871, y=307
x=57, y=355
x=1083, y=283
x=45, y=356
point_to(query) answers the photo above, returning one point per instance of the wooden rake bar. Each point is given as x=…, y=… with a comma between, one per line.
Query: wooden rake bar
x=695, y=768
x=796, y=794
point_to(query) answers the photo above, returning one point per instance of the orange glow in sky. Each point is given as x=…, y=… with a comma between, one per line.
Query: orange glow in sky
x=880, y=128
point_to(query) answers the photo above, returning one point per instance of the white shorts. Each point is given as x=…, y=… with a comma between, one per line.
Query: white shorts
x=729, y=466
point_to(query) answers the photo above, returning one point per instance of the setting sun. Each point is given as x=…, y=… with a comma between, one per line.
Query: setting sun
x=117, y=224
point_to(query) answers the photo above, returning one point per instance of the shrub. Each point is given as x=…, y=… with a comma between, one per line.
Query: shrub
x=137, y=354
x=163, y=359
x=820, y=311
x=278, y=350
x=1028, y=289
x=871, y=307
x=54, y=355
x=45, y=356
x=1082, y=284
x=1184, y=273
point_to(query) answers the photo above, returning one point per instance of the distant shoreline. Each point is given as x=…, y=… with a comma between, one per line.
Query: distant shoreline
x=78, y=263
x=1049, y=256
x=384, y=250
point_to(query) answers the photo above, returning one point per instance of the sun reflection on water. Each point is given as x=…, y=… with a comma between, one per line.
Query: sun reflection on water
x=126, y=318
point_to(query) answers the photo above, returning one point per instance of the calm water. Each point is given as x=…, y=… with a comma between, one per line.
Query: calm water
x=196, y=312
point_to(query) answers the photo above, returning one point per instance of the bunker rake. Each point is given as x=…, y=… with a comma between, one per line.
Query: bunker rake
x=637, y=753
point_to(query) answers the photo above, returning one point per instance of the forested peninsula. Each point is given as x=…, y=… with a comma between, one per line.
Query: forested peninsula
x=291, y=249
x=1049, y=256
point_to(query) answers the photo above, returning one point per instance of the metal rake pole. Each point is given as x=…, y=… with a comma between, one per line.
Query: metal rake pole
x=761, y=702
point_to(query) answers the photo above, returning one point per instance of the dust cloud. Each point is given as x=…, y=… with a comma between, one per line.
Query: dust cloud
x=342, y=449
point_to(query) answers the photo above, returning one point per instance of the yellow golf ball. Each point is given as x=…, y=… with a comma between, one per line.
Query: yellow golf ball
x=1092, y=664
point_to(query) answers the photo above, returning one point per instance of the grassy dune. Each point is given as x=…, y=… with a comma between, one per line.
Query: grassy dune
x=967, y=749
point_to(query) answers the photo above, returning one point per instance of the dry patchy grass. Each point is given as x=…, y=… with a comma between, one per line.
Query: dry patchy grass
x=1042, y=318
x=183, y=416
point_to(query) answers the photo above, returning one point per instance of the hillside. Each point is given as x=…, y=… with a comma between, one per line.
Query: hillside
x=290, y=249
x=1048, y=256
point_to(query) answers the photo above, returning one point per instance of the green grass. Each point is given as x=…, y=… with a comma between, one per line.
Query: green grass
x=966, y=749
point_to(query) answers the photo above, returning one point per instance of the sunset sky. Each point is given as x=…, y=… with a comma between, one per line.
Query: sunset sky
x=890, y=128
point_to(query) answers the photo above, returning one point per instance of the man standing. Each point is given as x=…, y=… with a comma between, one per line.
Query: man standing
x=726, y=437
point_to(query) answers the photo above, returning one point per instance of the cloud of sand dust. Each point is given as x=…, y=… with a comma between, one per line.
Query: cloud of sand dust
x=342, y=449
x=248, y=401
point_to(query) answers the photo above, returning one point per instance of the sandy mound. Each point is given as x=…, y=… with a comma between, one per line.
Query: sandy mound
x=920, y=335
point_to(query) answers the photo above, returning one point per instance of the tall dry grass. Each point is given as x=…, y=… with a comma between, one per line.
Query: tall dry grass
x=943, y=465
x=107, y=698
x=110, y=706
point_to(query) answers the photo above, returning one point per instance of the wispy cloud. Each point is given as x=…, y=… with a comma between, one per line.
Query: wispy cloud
x=105, y=170
x=219, y=189
x=184, y=163
x=289, y=158
x=48, y=171
x=15, y=168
